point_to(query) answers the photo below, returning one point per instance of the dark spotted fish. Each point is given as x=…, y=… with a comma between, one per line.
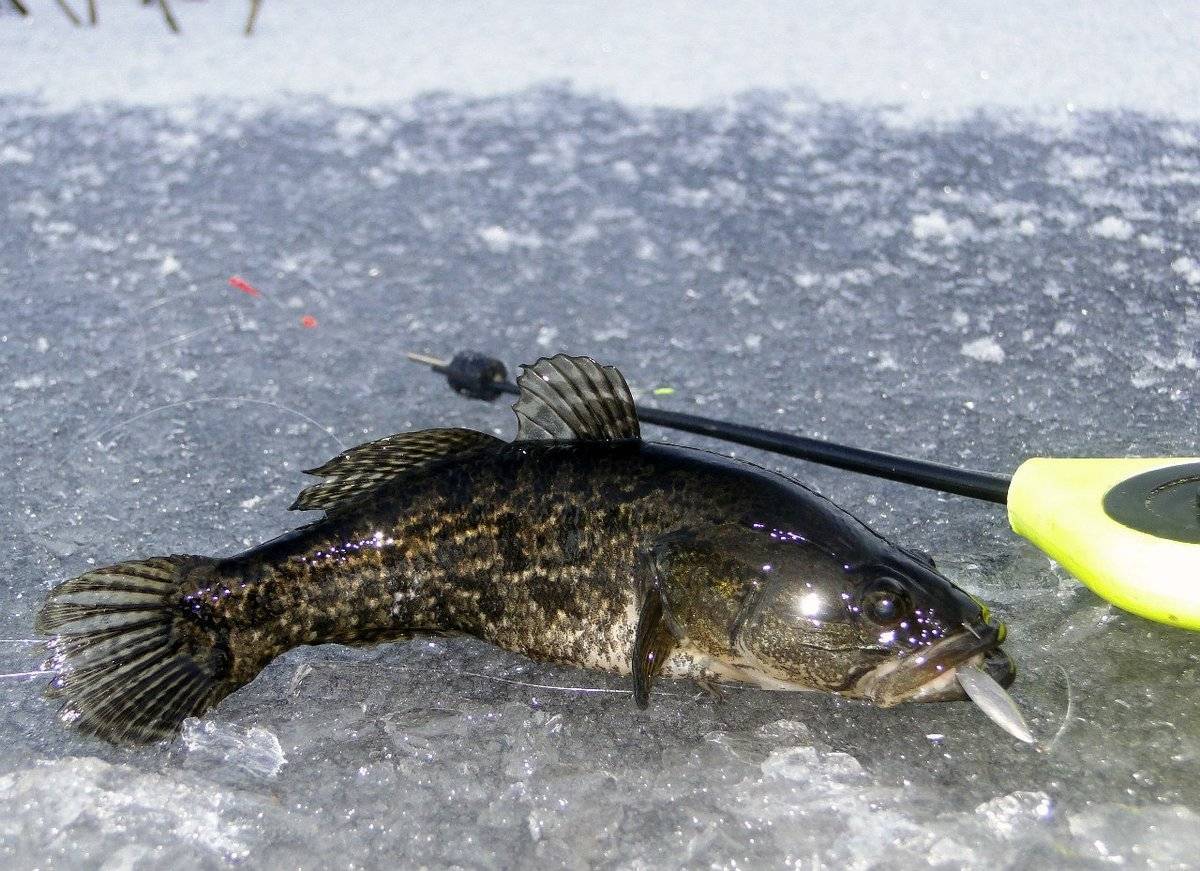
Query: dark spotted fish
x=578, y=544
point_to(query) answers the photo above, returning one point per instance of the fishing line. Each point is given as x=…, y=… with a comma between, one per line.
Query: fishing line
x=324, y=429
x=504, y=680
x=1066, y=714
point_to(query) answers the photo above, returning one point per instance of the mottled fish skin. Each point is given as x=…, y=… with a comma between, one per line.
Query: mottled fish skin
x=537, y=548
x=578, y=544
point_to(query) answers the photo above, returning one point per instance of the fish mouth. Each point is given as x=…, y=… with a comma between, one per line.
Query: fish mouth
x=931, y=675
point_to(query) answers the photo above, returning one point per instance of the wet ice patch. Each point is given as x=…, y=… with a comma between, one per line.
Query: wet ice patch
x=1187, y=269
x=936, y=227
x=984, y=349
x=807, y=764
x=30, y=382
x=255, y=750
x=1112, y=227
x=115, y=811
x=170, y=265
x=501, y=240
x=1012, y=815
x=886, y=362
x=1078, y=167
x=14, y=154
x=1157, y=363
x=1152, y=837
x=626, y=171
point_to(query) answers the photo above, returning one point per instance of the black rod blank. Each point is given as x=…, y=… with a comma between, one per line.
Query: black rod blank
x=482, y=377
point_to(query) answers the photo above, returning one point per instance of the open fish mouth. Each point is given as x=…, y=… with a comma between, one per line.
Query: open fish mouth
x=930, y=675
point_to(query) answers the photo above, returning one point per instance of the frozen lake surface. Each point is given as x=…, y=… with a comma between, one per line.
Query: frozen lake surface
x=931, y=59
x=970, y=291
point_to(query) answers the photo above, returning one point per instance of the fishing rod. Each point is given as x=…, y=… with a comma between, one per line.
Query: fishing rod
x=482, y=377
x=1129, y=528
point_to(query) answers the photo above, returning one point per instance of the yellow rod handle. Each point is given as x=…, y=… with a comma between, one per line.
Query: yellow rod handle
x=1058, y=505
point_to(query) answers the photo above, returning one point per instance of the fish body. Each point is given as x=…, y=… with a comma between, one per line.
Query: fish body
x=577, y=544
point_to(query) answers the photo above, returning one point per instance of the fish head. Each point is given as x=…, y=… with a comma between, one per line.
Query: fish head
x=928, y=627
x=880, y=623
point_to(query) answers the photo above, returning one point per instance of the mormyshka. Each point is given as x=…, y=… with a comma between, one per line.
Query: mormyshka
x=577, y=543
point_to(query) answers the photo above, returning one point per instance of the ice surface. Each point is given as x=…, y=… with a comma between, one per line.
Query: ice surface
x=929, y=58
x=776, y=261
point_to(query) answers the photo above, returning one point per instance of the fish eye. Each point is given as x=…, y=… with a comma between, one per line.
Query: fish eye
x=885, y=602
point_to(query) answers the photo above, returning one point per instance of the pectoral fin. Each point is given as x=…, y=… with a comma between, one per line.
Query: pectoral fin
x=653, y=643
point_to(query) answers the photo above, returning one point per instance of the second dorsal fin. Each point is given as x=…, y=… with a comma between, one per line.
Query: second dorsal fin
x=574, y=399
x=356, y=472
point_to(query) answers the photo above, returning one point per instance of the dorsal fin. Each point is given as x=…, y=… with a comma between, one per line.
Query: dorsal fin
x=574, y=399
x=360, y=470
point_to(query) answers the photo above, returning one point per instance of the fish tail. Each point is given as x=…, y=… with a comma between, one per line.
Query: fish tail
x=133, y=655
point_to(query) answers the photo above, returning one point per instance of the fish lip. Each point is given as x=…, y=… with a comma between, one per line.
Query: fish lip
x=929, y=675
x=1000, y=667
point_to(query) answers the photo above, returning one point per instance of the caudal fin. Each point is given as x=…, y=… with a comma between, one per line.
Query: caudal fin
x=133, y=659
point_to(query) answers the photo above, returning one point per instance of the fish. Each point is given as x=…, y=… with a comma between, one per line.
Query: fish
x=578, y=543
